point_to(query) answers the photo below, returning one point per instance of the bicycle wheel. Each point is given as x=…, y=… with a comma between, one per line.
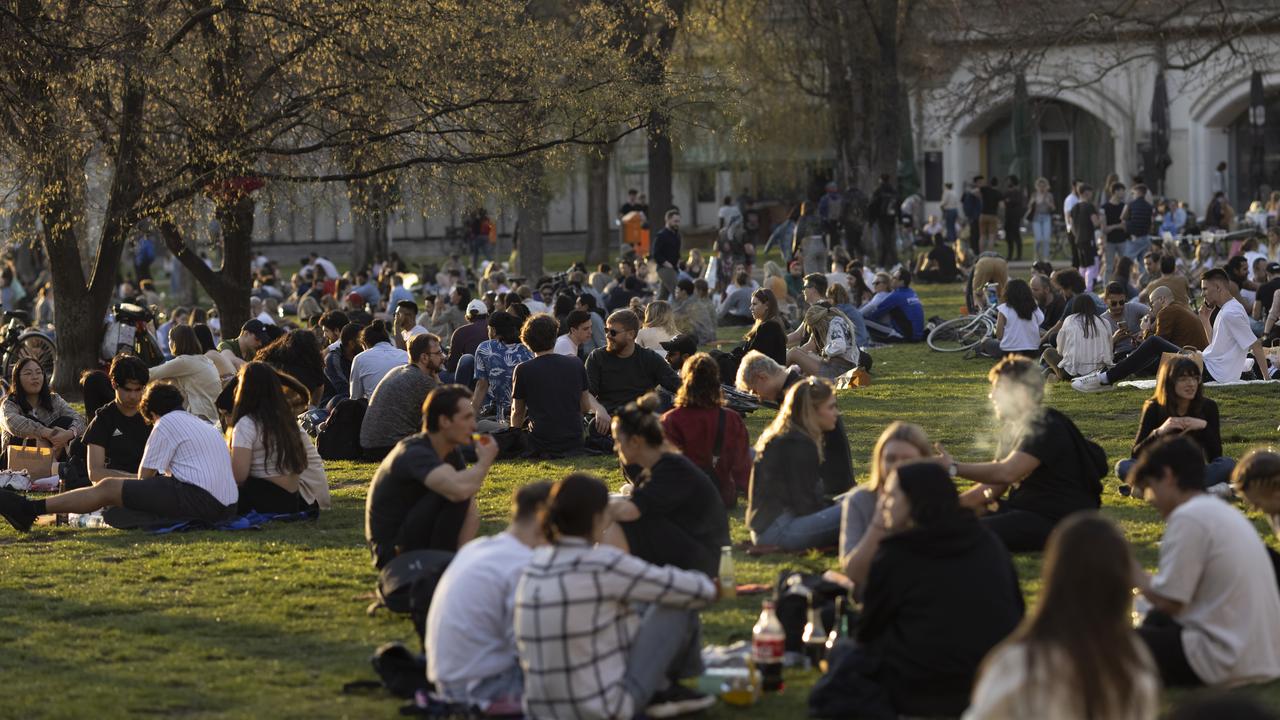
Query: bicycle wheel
x=960, y=333
x=38, y=347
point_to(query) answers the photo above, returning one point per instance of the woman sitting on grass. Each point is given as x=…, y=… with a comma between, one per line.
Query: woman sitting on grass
x=861, y=527
x=831, y=350
x=192, y=372
x=1018, y=322
x=785, y=505
x=1084, y=342
x=659, y=327
x=699, y=418
x=33, y=412
x=1077, y=655
x=267, y=453
x=941, y=592
x=1179, y=406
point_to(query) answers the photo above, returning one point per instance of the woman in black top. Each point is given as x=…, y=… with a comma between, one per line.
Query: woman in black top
x=767, y=334
x=942, y=591
x=674, y=515
x=1179, y=406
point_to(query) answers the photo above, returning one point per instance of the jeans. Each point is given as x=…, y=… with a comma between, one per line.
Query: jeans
x=949, y=218
x=1216, y=471
x=1163, y=637
x=507, y=685
x=667, y=647
x=819, y=530
x=1145, y=355
x=1042, y=228
x=860, y=335
x=1111, y=254
x=1137, y=248
x=480, y=246
x=464, y=375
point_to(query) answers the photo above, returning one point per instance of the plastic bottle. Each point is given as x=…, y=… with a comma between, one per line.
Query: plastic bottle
x=728, y=574
x=768, y=643
x=814, y=637
x=838, y=638
x=86, y=520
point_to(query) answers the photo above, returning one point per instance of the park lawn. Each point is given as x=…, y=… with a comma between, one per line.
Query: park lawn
x=271, y=623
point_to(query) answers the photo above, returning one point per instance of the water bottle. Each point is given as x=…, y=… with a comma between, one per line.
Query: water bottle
x=728, y=574
x=86, y=520
x=814, y=637
x=768, y=643
x=838, y=641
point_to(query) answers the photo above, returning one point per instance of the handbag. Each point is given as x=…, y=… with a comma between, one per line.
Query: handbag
x=36, y=459
x=1188, y=352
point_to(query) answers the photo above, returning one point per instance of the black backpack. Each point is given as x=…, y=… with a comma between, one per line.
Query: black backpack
x=339, y=436
x=407, y=584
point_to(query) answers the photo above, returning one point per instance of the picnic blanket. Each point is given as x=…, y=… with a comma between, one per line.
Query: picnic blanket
x=1151, y=384
x=248, y=521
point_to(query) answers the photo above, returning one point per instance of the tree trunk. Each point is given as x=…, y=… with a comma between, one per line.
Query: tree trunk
x=229, y=286
x=363, y=246
x=886, y=117
x=660, y=167
x=529, y=216
x=598, y=227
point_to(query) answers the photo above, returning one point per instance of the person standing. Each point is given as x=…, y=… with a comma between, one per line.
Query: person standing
x=950, y=205
x=883, y=216
x=1115, y=238
x=971, y=202
x=1137, y=218
x=1040, y=211
x=1015, y=206
x=1085, y=221
x=666, y=253
x=989, y=221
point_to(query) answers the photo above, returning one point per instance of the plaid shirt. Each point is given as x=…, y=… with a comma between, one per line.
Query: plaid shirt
x=575, y=622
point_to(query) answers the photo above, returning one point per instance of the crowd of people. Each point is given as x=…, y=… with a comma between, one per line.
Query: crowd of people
x=587, y=605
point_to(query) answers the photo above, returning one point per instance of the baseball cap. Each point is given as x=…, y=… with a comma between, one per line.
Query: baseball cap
x=1273, y=267
x=477, y=308
x=258, y=329
x=683, y=343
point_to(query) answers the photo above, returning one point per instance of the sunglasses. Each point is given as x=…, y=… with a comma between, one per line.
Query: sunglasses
x=1116, y=303
x=613, y=332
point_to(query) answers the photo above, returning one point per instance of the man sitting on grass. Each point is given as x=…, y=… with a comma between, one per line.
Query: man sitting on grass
x=395, y=408
x=550, y=392
x=622, y=371
x=470, y=641
x=1216, y=608
x=117, y=435
x=185, y=473
x=422, y=496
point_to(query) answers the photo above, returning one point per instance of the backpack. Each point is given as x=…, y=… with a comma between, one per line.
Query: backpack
x=407, y=584
x=339, y=436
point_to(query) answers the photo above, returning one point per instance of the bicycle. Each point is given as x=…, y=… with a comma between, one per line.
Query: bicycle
x=963, y=333
x=21, y=341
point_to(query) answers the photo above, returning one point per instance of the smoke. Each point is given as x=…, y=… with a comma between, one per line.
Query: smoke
x=1018, y=412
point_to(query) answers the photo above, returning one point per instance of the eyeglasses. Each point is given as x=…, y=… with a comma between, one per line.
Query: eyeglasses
x=613, y=332
x=1115, y=303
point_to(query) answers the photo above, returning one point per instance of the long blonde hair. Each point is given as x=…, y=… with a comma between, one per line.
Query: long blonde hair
x=799, y=411
x=906, y=432
x=658, y=315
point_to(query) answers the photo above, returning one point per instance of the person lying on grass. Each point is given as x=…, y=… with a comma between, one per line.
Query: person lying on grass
x=422, y=496
x=1047, y=468
x=1215, y=617
x=185, y=473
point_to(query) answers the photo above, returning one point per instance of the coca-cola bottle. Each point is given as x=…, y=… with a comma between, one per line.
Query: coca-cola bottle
x=814, y=637
x=768, y=643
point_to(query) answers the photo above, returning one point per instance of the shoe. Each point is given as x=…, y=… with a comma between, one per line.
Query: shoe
x=1090, y=383
x=1221, y=490
x=1125, y=490
x=677, y=700
x=14, y=508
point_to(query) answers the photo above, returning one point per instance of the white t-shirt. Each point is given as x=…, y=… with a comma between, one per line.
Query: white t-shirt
x=1212, y=561
x=192, y=451
x=729, y=214
x=1019, y=334
x=265, y=318
x=470, y=625
x=330, y=270
x=565, y=346
x=1228, y=349
x=247, y=435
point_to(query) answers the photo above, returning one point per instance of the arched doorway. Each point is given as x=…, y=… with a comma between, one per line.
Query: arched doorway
x=1066, y=142
x=1242, y=186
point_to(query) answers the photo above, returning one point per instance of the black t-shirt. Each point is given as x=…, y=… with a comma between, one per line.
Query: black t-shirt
x=398, y=485
x=1082, y=223
x=551, y=387
x=945, y=257
x=1111, y=216
x=1066, y=478
x=682, y=517
x=991, y=199
x=122, y=437
x=1266, y=294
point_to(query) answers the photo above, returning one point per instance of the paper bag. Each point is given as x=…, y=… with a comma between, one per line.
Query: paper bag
x=30, y=454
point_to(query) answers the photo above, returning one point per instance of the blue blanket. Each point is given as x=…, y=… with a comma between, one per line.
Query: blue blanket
x=248, y=521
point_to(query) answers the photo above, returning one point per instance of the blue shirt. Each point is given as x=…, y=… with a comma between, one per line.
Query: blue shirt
x=398, y=293
x=904, y=311
x=369, y=292
x=496, y=362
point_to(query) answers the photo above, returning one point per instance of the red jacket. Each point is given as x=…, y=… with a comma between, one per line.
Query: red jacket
x=693, y=430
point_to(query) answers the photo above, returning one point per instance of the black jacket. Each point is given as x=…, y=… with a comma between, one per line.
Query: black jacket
x=836, y=470
x=936, y=601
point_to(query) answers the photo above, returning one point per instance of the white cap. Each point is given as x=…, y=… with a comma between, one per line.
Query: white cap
x=476, y=308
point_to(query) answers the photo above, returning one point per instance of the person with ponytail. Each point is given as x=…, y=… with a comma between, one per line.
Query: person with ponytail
x=674, y=515
x=604, y=634
x=1077, y=655
x=785, y=505
x=713, y=438
x=942, y=591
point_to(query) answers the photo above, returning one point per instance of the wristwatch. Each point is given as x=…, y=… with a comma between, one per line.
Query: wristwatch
x=953, y=470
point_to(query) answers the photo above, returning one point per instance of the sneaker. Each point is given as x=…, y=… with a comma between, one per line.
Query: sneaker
x=1125, y=490
x=677, y=700
x=1090, y=383
x=1221, y=490
x=14, y=508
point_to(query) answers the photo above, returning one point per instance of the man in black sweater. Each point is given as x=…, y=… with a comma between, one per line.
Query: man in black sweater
x=622, y=371
x=666, y=253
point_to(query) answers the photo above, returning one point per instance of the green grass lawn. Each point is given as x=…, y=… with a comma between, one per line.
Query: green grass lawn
x=271, y=623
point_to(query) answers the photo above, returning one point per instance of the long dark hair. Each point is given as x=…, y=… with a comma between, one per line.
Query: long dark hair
x=572, y=507
x=1084, y=614
x=771, y=314
x=858, y=288
x=1017, y=295
x=700, y=383
x=1165, y=394
x=259, y=395
x=291, y=352
x=16, y=393
x=1087, y=309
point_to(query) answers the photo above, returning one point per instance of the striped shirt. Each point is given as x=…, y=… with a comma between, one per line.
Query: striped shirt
x=192, y=451
x=575, y=621
x=1138, y=223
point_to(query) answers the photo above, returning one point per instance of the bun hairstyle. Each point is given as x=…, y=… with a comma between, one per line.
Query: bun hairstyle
x=640, y=419
x=571, y=509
